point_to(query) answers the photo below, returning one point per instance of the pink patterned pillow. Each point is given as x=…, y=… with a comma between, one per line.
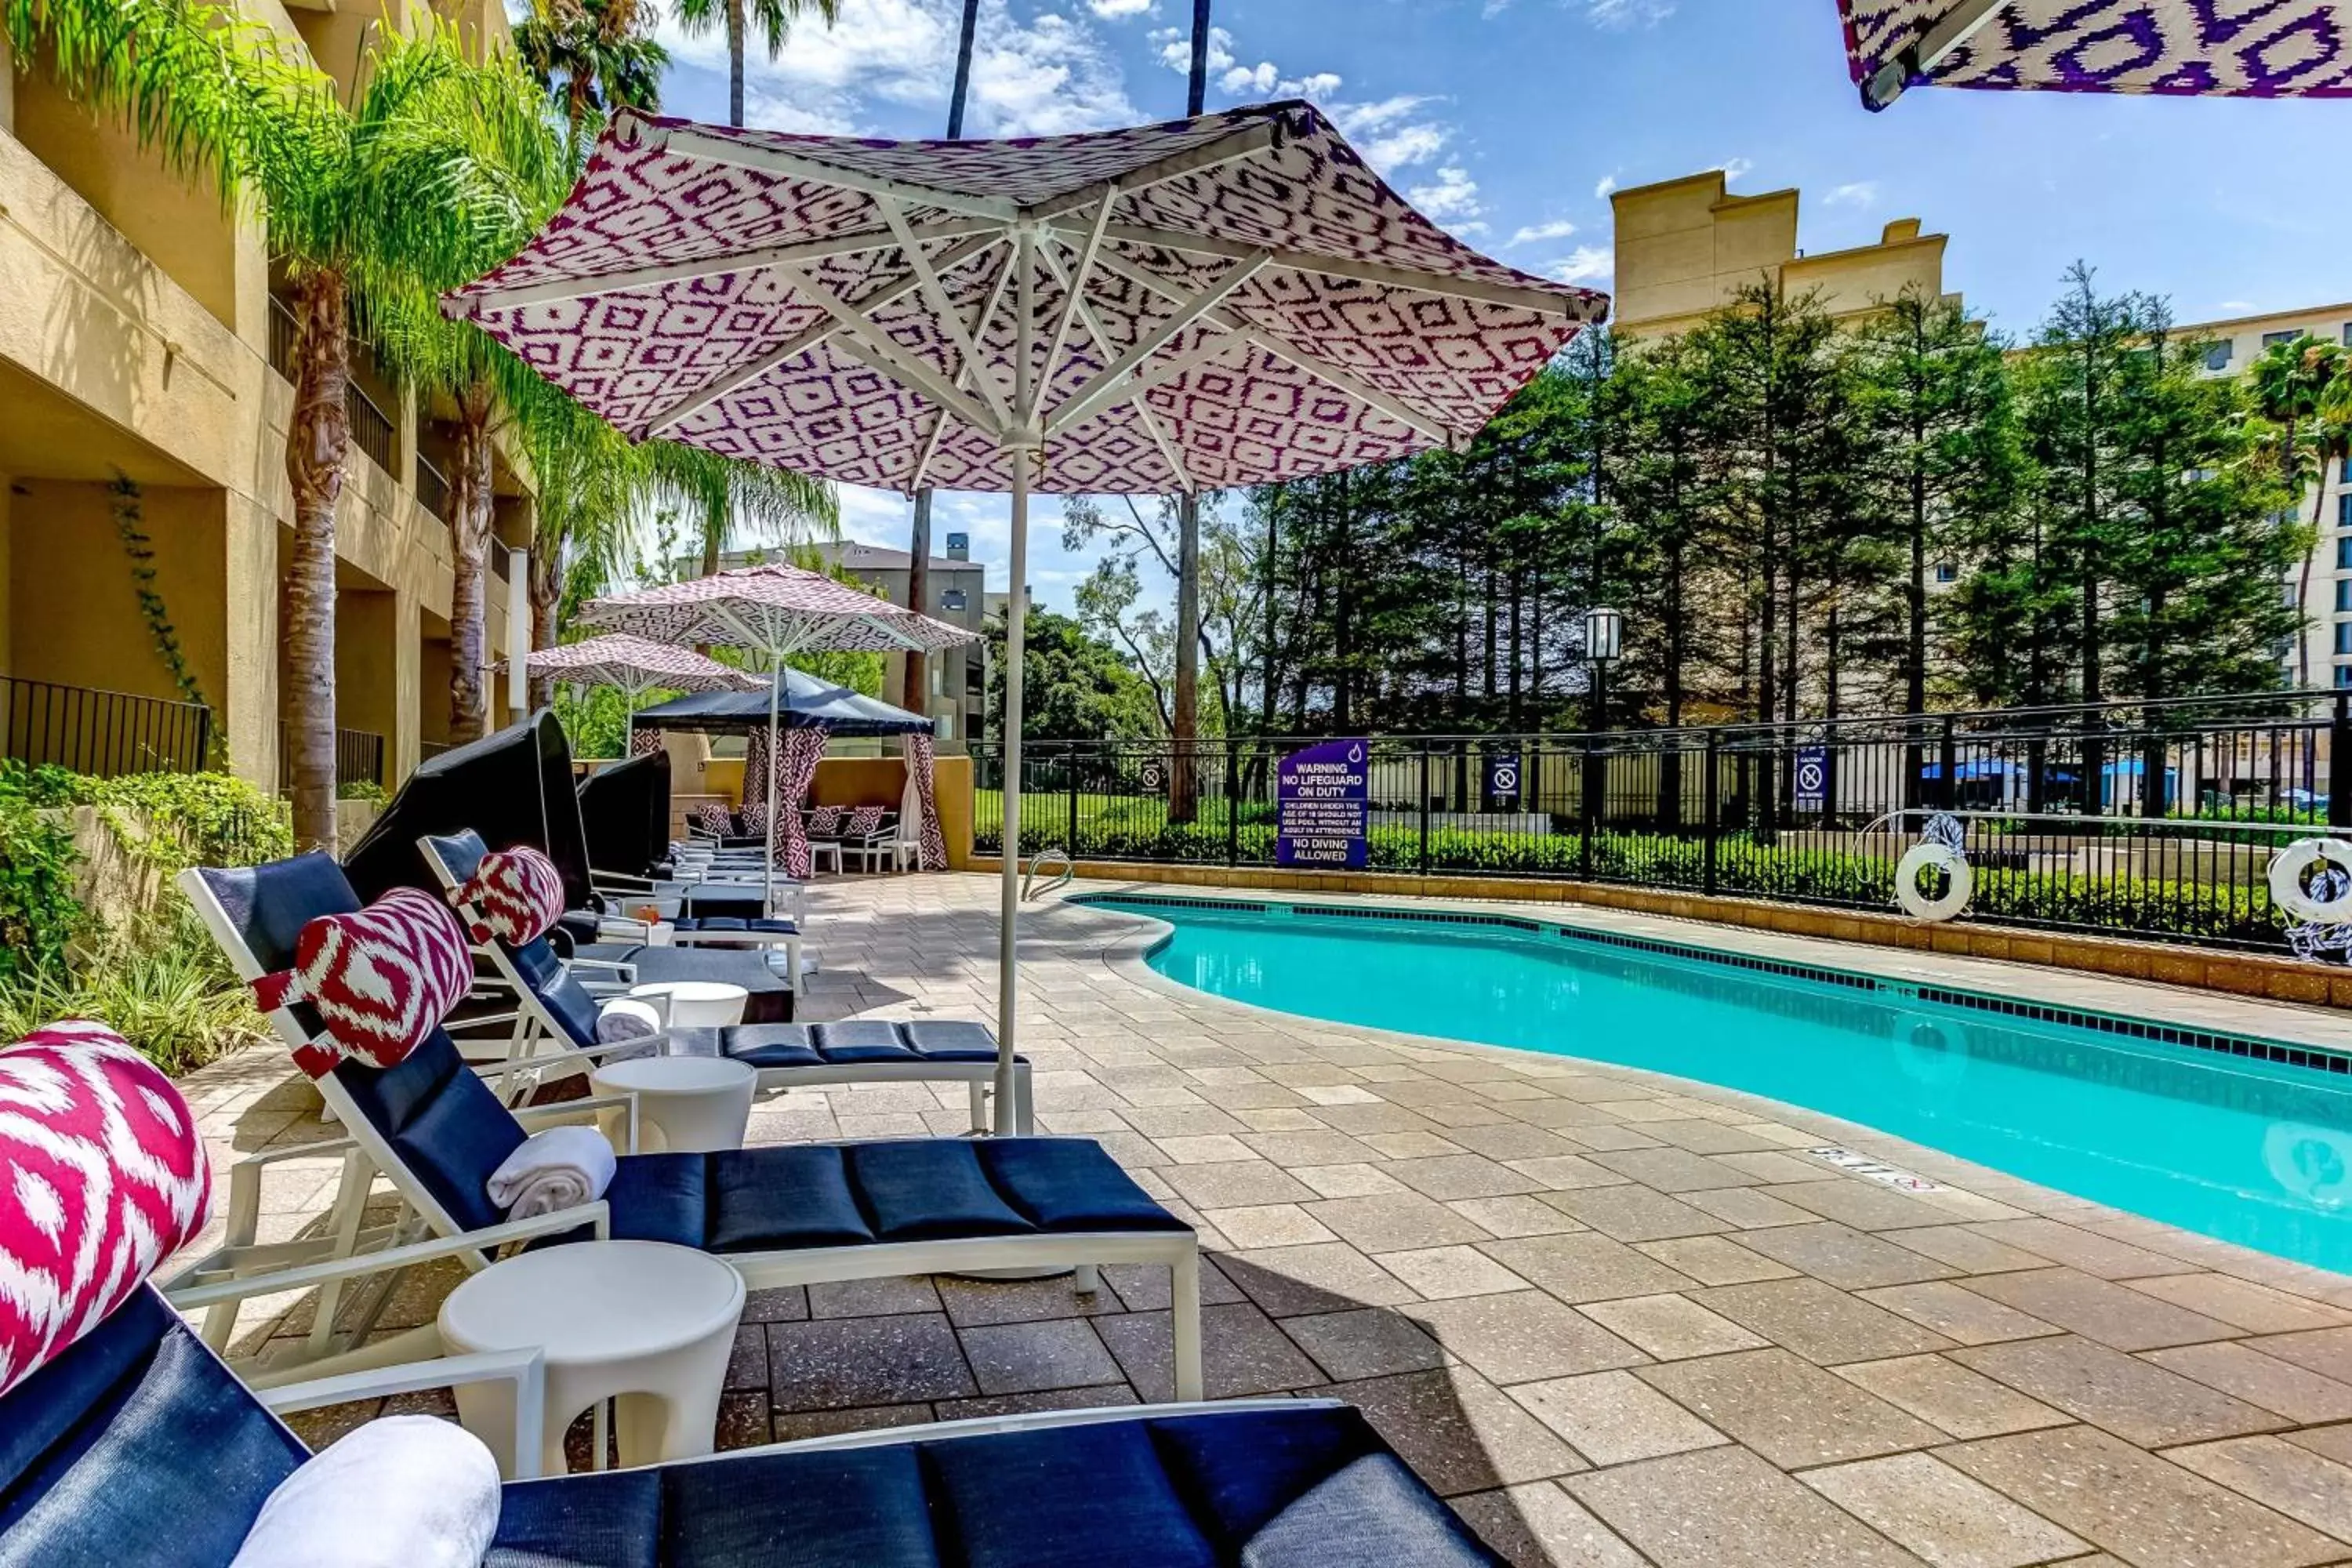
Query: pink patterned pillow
x=515, y=896
x=755, y=821
x=713, y=819
x=866, y=821
x=380, y=980
x=107, y=1177
x=824, y=821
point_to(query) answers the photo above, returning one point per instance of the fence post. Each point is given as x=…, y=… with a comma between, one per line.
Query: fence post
x=1070, y=766
x=1591, y=807
x=1947, y=763
x=1233, y=803
x=1424, y=808
x=204, y=737
x=1714, y=804
x=2339, y=763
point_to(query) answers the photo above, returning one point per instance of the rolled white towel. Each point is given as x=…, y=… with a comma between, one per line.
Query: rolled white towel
x=555, y=1168
x=627, y=1018
x=409, y=1492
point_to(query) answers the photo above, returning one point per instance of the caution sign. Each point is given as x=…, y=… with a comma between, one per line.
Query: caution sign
x=1812, y=777
x=1321, y=798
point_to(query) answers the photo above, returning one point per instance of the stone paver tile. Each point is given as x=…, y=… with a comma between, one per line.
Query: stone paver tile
x=1964, y=1249
x=1354, y=1181
x=980, y=1302
x=1514, y=1216
x=787, y=1304
x=1817, y=1323
x=1242, y=1353
x=1864, y=1206
x=1584, y=1266
x=1944, y=1392
x=1951, y=1520
x=1789, y=1410
x=871, y=1298
x=2328, y=1352
x=1042, y=1399
x=1178, y=1120
x=2257, y=1309
x=791, y=1426
x=1671, y=1327
x=1849, y=1258
x=1338, y=1093
x=2336, y=1442
x=1441, y=1273
x=1673, y=1170
x=1715, y=1260
x=1460, y=1176
x=2295, y=1392
x=1613, y=1418
x=747, y=1364
x=1653, y=1109
x=841, y=1363
x=1144, y=1287
x=1292, y=1150
x=1710, y=1137
x=1523, y=1336
x=1775, y=1168
x=2100, y=1310
x=2295, y=1481
x=1267, y=1225
x=1957, y=1313
x=1750, y=1208
x=1231, y=1183
x=1459, y=1432
x=1417, y=1143
x=1540, y=1526
x=1208, y=1148
x=1395, y=1222
x=1370, y=1342
x=2078, y=1248
x=2145, y=1510
x=1513, y=1141
x=1635, y=1212
x=1024, y=1358
x=1596, y=1132
x=1565, y=1172
x=1323, y=1276
x=1725, y=1507
x=2137, y=1402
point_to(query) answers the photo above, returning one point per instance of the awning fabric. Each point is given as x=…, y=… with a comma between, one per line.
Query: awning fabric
x=511, y=787
x=804, y=702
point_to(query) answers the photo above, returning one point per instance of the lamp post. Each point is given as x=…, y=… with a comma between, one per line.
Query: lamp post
x=1604, y=636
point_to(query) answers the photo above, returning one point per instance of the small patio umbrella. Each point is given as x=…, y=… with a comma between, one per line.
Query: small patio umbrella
x=776, y=610
x=2212, y=49
x=1235, y=299
x=637, y=666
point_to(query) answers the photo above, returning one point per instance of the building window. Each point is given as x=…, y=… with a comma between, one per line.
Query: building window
x=2269, y=339
x=2344, y=636
x=2344, y=675
x=2217, y=357
x=2344, y=595
x=2344, y=510
x=1946, y=573
x=2344, y=554
x=953, y=599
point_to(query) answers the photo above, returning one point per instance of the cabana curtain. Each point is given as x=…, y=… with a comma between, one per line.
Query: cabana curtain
x=922, y=755
x=803, y=749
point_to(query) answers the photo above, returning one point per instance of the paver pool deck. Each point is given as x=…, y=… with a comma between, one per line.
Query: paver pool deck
x=1616, y=1317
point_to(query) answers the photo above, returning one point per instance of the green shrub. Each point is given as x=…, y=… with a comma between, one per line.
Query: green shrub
x=160, y=982
x=39, y=917
x=195, y=819
x=367, y=790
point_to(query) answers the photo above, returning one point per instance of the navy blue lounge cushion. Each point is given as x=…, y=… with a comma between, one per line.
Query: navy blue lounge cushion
x=857, y=1041
x=715, y=925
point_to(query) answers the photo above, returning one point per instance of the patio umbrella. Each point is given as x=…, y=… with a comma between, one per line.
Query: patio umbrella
x=777, y=610
x=637, y=666
x=2214, y=48
x=1231, y=299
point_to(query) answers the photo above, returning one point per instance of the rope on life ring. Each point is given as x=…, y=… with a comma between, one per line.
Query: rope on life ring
x=1958, y=881
x=2327, y=863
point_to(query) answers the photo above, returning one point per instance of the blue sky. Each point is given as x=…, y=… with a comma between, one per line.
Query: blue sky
x=1510, y=120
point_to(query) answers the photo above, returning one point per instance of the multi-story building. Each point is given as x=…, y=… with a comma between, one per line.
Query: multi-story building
x=142, y=337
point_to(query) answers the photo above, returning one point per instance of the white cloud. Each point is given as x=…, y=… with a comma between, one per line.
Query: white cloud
x=2236, y=305
x=1585, y=264
x=1558, y=228
x=1733, y=168
x=1859, y=193
x=1608, y=184
x=1492, y=9
x=1393, y=133
x=1627, y=13
x=1451, y=198
x=1114, y=10
x=1176, y=50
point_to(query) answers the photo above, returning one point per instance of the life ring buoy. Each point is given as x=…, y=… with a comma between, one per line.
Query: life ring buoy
x=1929, y=1051
x=2314, y=1164
x=1958, y=881
x=2298, y=860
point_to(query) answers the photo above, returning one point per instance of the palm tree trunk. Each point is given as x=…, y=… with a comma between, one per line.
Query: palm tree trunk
x=735, y=62
x=914, y=695
x=546, y=589
x=1184, y=726
x=470, y=514
x=318, y=441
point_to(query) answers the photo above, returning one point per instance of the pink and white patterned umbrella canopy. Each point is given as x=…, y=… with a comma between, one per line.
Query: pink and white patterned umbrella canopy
x=1250, y=304
x=2223, y=49
x=635, y=665
x=778, y=609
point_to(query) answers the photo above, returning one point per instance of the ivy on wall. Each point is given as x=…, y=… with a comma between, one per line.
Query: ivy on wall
x=130, y=526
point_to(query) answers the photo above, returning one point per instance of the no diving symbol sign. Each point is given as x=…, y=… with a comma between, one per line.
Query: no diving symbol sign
x=1812, y=774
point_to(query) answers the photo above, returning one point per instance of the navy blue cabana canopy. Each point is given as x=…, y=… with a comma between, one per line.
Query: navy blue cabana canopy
x=804, y=702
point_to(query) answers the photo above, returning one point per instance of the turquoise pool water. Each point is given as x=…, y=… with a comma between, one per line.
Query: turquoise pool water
x=2252, y=1151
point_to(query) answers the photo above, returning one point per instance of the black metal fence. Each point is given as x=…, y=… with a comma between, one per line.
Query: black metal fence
x=103, y=733
x=358, y=757
x=2156, y=820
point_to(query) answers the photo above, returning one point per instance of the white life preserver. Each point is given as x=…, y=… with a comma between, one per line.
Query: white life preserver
x=2290, y=865
x=1958, y=881
x=1930, y=1052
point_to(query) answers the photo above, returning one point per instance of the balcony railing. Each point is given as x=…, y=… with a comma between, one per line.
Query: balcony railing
x=358, y=757
x=431, y=488
x=372, y=428
x=101, y=733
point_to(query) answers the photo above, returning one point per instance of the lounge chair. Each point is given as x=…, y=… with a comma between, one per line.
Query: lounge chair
x=557, y=1007
x=791, y=1215
x=136, y=1446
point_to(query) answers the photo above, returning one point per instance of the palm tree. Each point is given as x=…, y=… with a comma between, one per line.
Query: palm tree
x=593, y=488
x=775, y=18
x=593, y=55
x=2298, y=384
x=722, y=498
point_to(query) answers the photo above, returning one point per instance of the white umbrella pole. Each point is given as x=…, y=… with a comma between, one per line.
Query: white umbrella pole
x=1017, y=611
x=768, y=793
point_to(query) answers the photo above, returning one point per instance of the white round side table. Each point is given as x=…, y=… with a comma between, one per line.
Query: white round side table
x=686, y=1104
x=697, y=1003
x=642, y=1323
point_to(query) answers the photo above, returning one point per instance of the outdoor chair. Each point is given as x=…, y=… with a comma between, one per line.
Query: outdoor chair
x=560, y=1008
x=136, y=1445
x=864, y=831
x=792, y=1214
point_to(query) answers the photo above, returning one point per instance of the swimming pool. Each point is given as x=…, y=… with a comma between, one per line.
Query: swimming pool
x=2254, y=1151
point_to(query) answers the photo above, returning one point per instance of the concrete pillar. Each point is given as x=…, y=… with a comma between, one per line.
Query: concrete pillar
x=247, y=702
x=404, y=748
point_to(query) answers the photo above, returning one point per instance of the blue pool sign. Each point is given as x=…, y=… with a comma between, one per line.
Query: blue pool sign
x=1812, y=777
x=1320, y=804
x=1501, y=781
